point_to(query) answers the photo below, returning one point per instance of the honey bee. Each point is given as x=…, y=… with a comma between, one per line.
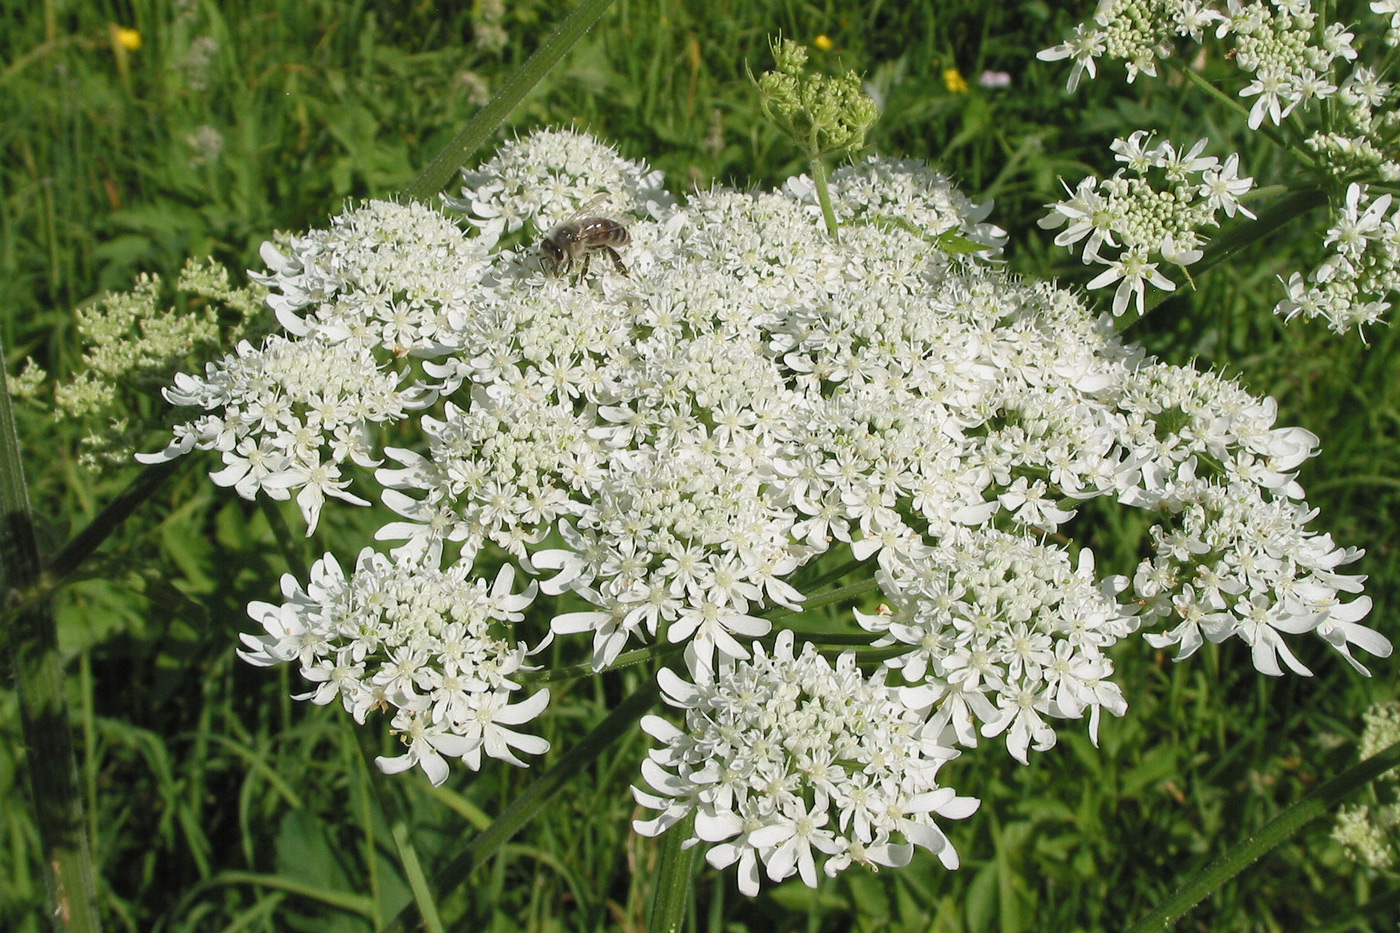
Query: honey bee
x=579, y=239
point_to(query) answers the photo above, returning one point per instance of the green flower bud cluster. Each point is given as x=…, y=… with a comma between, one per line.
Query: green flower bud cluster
x=823, y=114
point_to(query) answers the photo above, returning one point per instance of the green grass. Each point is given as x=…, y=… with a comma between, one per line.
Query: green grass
x=215, y=802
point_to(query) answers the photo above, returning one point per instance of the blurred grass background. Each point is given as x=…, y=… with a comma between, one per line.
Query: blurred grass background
x=216, y=803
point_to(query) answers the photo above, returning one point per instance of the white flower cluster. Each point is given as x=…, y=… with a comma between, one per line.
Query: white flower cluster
x=1279, y=44
x=1349, y=286
x=1140, y=219
x=1293, y=59
x=1003, y=631
x=782, y=755
x=671, y=446
x=1137, y=32
x=290, y=413
x=550, y=177
x=434, y=646
x=1360, y=139
x=1276, y=41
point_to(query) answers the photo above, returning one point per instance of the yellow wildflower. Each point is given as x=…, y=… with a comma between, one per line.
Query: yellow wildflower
x=129, y=39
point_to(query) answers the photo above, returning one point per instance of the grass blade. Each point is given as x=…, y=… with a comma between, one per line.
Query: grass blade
x=1318, y=803
x=481, y=126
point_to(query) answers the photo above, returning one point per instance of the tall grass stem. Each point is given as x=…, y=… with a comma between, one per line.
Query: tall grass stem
x=37, y=672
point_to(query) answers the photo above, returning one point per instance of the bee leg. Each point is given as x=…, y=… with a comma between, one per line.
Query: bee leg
x=582, y=269
x=617, y=260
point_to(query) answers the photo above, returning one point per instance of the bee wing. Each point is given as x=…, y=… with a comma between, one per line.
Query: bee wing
x=547, y=220
x=589, y=206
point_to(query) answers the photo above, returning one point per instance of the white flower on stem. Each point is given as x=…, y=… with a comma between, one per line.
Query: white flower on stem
x=485, y=722
x=1355, y=226
x=315, y=481
x=1028, y=505
x=1133, y=273
x=792, y=835
x=1133, y=152
x=710, y=627
x=1089, y=215
x=1222, y=187
x=1084, y=46
x=1020, y=718
x=427, y=743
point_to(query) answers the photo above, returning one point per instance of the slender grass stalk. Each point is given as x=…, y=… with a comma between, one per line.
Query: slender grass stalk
x=417, y=881
x=37, y=671
x=1318, y=803
x=671, y=894
x=535, y=797
x=439, y=171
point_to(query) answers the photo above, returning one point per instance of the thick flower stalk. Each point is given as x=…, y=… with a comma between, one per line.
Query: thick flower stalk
x=666, y=449
x=1296, y=67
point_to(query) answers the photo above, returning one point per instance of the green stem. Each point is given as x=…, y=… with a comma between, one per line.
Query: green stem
x=37, y=671
x=440, y=170
x=82, y=545
x=530, y=803
x=1268, y=129
x=284, y=538
x=819, y=175
x=671, y=891
x=85, y=542
x=1318, y=803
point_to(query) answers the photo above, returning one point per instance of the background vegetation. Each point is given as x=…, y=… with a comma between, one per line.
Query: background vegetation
x=216, y=803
